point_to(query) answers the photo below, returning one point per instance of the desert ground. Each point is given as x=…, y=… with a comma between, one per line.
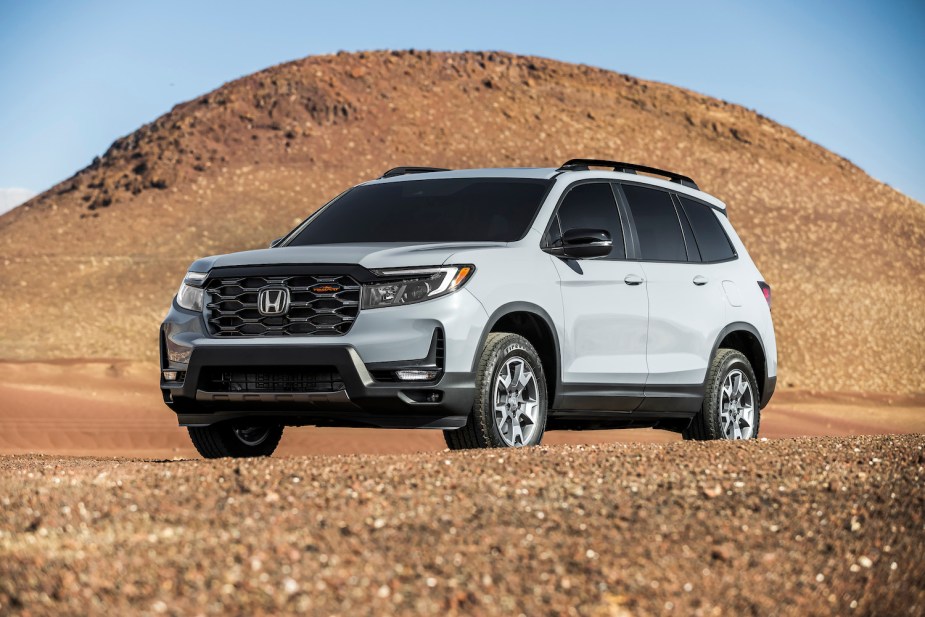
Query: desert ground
x=108, y=510
x=806, y=526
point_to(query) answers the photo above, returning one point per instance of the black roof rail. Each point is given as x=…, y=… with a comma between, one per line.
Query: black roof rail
x=628, y=168
x=401, y=171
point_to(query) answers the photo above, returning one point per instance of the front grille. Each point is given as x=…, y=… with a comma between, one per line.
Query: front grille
x=232, y=306
x=271, y=379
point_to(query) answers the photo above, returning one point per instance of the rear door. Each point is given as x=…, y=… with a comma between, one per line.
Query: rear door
x=686, y=309
x=605, y=307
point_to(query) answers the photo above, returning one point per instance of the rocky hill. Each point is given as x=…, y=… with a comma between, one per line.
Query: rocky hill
x=88, y=267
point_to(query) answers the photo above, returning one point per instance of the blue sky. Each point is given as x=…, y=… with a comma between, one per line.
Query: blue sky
x=74, y=76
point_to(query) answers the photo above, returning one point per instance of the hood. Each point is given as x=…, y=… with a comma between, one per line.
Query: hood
x=377, y=255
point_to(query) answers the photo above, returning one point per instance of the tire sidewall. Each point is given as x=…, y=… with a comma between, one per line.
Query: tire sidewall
x=512, y=347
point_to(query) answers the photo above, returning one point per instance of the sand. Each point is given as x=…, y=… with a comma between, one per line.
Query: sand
x=114, y=408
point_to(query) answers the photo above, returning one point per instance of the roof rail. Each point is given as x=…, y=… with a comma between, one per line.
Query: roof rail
x=627, y=168
x=401, y=171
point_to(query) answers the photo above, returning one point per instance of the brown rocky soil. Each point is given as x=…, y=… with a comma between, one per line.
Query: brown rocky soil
x=813, y=526
x=87, y=268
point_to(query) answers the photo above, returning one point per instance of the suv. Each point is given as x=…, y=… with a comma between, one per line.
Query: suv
x=493, y=304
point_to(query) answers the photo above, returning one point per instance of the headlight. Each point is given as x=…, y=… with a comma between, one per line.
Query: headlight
x=190, y=294
x=414, y=285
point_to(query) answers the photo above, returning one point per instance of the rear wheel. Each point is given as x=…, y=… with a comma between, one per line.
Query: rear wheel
x=510, y=405
x=237, y=440
x=731, y=407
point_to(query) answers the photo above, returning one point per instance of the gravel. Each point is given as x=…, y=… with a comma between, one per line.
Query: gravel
x=796, y=526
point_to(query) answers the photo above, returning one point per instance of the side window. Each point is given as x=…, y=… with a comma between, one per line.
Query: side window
x=657, y=224
x=711, y=239
x=592, y=206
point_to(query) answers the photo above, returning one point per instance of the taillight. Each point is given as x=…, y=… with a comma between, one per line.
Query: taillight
x=766, y=290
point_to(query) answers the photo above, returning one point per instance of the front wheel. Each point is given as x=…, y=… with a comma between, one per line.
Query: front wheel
x=237, y=440
x=510, y=404
x=731, y=408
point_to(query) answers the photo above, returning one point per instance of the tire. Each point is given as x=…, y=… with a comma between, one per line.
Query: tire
x=714, y=420
x=235, y=440
x=492, y=425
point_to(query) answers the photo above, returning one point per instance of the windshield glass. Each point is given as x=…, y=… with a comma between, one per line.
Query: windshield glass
x=451, y=210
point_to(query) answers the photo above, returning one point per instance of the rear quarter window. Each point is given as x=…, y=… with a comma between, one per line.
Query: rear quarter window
x=711, y=239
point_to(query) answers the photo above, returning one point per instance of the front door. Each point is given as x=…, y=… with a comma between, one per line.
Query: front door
x=605, y=308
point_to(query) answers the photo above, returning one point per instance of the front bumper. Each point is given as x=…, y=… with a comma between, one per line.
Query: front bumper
x=363, y=401
x=380, y=340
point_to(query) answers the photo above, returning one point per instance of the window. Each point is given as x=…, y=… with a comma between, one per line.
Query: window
x=657, y=224
x=711, y=239
x=449, y=210
x=592, y=206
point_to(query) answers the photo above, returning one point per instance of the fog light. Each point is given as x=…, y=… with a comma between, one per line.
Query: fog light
x=423, y=396
x=417, y=375
x=170, y=375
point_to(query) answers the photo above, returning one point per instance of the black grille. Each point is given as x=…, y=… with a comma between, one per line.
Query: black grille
x=319, y=306
x=271, y=379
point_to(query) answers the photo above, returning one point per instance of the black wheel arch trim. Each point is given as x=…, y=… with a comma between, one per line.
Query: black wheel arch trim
x=538, y=311
x=767, y=383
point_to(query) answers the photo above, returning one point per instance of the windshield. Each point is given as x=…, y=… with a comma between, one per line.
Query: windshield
x=451, y=210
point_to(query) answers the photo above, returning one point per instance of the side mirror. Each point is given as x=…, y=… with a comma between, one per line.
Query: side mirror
x=582, y=244
x=276, y=243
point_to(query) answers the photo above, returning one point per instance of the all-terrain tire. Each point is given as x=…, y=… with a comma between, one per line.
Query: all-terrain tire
x=707, y=424
x=481, y=430
x=227, y=440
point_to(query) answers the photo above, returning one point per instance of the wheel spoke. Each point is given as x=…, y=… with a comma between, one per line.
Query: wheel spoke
x=525, y=378
x=726, y=423
x=517, y=371
x=529, y=411
x=505, y=379
x=736, y=430
x=516, y=431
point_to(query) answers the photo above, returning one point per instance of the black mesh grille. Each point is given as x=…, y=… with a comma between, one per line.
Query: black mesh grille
x=270, y=379
x=319, y=306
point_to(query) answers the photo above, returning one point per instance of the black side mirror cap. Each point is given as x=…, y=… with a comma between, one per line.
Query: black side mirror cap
x=582, y=244
x=276, y=243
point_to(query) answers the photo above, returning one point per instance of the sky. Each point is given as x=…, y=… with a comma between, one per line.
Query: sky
x=75, y=76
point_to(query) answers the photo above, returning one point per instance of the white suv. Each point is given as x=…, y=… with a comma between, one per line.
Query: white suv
x=494, y=304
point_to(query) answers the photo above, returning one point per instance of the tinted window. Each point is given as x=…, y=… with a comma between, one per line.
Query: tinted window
x=657, y=224
x=592, y=206
x=451, y=210
x=711, y=239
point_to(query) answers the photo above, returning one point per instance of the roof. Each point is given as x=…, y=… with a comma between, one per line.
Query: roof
x=549, y=173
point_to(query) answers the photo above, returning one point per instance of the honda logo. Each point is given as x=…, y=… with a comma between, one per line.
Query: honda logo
x=273, y=301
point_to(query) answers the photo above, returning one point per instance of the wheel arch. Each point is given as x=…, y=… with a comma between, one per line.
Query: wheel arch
x=745, y=338
x=534, y=324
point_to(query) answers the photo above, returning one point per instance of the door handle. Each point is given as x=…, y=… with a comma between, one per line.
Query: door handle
x=633, y=279
x=700, y=280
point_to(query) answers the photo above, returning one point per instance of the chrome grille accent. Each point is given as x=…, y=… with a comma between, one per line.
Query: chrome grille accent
x=232, y=306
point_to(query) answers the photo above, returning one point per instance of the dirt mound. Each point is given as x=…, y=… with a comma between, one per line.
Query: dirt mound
x=788, y=527
x=89, y=266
